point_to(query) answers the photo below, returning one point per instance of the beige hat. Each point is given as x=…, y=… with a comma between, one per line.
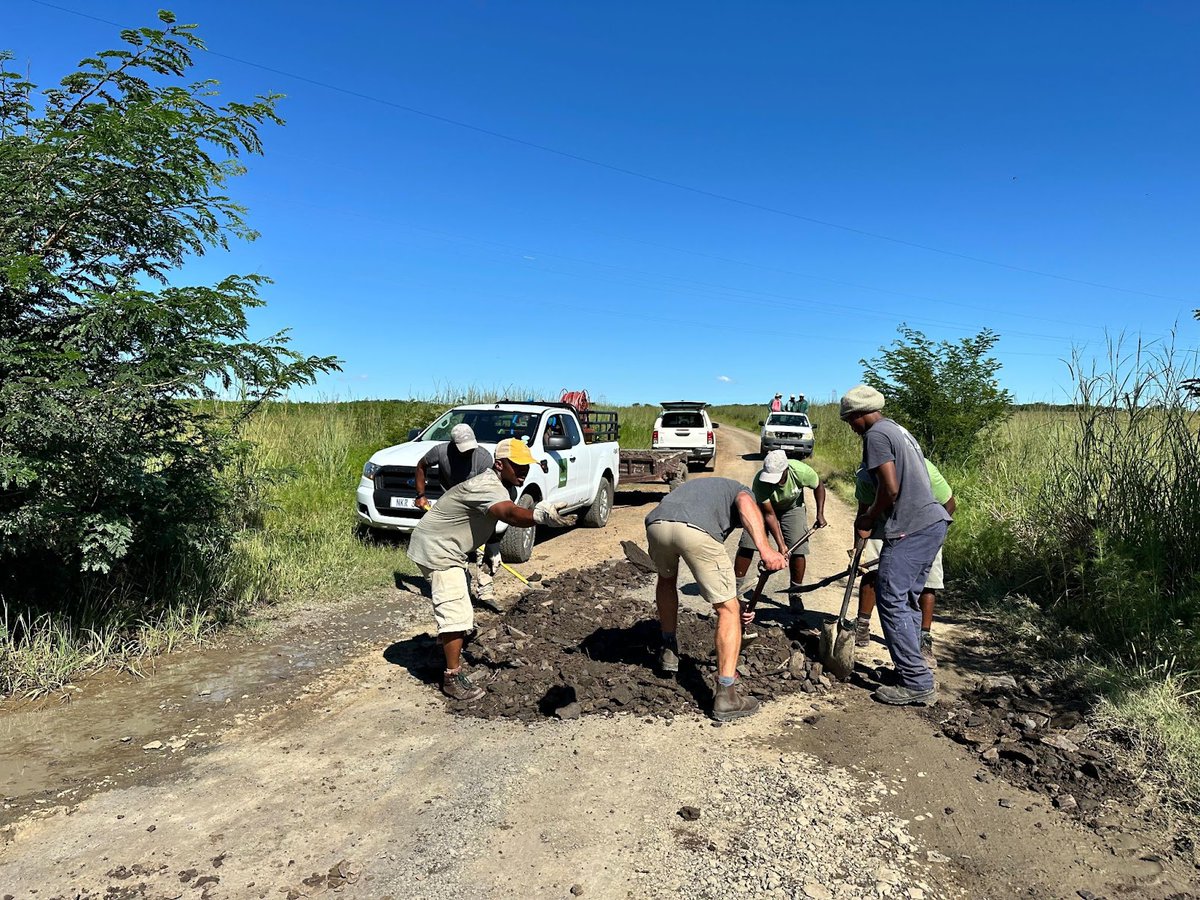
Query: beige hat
x=861, y=399
x=463, y=437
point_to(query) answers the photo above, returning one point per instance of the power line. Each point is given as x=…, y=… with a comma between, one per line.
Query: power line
x=654, y=179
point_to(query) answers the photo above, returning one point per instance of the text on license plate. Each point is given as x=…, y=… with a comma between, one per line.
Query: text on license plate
x=403, y=503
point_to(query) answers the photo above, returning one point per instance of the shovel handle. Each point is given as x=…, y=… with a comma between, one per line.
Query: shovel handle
x=859, y=544
x=764, y=574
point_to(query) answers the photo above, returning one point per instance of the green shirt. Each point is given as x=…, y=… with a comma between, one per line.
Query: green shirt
x=864, y=486
x=790, y=491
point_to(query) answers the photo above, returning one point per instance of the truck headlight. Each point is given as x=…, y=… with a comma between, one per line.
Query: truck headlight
x=369, y=470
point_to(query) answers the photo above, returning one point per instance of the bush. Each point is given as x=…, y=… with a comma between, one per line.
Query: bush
x=946, y=393
x=118, y=491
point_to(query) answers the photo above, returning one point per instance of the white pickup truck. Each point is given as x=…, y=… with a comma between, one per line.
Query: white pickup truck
x=577, y=465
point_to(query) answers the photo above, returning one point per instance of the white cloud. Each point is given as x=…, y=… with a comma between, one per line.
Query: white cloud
x=724, y=378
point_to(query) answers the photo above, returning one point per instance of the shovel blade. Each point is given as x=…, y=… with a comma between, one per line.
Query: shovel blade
x=837, y=649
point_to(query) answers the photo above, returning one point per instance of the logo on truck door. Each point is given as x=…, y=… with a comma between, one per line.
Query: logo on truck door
x=562, y=473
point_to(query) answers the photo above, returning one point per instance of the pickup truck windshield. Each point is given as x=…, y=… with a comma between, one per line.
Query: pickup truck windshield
x=789, y=421
x=490, y=425
x=682, y=420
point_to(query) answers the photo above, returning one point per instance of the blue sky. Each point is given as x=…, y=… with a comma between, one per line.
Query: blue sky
x=1055, y=137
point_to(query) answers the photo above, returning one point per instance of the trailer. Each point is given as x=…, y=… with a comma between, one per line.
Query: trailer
x=636, y=466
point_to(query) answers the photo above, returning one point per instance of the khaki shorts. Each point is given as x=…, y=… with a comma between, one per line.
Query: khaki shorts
x=934, y=582
x=792, y=522
x=704, y=555
x=452, y=608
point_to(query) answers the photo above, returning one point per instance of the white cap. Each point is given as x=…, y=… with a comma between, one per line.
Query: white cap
x=463, y=437
x=775, y=465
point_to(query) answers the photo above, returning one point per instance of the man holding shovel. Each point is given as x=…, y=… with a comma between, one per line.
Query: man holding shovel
x=462, y=519
x=914, y=527
x=779, y=490
x=692, y=523
x=864, y=493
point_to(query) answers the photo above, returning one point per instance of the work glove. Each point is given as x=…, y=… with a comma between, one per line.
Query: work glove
x=547, y=513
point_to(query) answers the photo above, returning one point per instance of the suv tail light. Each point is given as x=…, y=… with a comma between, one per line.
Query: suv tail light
x=710, y=437
x=654, y=439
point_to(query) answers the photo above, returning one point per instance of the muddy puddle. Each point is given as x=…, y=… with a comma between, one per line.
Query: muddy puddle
x=117, y=725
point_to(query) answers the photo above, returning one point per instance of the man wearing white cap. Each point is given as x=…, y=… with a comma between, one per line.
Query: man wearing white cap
x=457, y=460
x=914, y=527
x=464, y=517
x=779, y=490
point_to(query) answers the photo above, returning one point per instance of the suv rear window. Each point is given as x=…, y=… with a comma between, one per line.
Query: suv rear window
x=682, y=420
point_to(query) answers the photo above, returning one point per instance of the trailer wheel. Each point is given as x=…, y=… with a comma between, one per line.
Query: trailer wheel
x=597, y=514
x=516, y=544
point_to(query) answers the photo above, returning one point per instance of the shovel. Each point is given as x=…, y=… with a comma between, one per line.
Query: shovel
x=749, y=637
x=837, y=637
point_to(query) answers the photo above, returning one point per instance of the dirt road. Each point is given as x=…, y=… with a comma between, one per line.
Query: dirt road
x=311, y=764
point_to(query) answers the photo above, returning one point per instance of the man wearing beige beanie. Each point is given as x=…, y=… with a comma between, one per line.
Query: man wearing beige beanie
x=914, y=527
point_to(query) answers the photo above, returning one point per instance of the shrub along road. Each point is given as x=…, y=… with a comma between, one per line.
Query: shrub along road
x=318, y=759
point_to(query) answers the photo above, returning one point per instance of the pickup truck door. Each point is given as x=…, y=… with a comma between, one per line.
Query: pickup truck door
x=569, y=478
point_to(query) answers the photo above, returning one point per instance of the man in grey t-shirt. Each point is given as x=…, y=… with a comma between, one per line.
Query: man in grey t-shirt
x=692, y=523
x=459, y=459
x=914, y=529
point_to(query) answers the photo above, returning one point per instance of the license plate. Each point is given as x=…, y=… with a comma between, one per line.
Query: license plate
x=403, y=503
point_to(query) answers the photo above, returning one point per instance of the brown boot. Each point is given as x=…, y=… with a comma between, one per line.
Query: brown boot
x=458, y=686
x=730, y=703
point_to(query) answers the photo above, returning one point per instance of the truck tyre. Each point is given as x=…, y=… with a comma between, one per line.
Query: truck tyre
x=516, y=544
x=597, y=514
x=762, y=450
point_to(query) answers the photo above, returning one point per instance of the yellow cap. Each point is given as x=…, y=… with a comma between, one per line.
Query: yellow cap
x=514, y=451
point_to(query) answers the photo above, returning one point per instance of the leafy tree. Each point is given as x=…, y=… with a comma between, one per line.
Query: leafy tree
x=117, y=481
x=944, y=392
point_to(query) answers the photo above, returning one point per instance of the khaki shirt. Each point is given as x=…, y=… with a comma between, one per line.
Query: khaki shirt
x=459, y=522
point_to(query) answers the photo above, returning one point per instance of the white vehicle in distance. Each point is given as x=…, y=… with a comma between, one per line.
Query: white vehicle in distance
x=576, y=465
x=685, y=425
x=790, y=432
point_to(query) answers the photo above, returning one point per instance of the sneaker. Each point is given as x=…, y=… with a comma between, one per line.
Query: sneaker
x=895, y=695
x=927, y=650
x=730, y=703
x=862, y=633
x=668, y=660
x=460, y=687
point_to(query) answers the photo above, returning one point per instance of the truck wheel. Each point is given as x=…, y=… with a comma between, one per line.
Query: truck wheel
x=762, y=450
x=516, y=544
x=597, y=514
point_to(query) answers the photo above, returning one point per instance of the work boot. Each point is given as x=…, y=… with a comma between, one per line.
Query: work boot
x=668, y=660
x=895, y=695
x=862, y=633
x=796, y=602
x=730, y=703
x=927, y=650
x=458, y=686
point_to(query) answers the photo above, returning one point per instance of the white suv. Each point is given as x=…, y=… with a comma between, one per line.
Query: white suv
x=685, y=425
x=789, y=432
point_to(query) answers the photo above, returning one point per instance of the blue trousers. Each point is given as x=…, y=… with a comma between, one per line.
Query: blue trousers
x=903, y=567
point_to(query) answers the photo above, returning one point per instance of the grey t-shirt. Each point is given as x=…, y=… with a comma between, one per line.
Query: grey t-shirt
x=915, y=507
x=709, y=504
x=458, y=523
x=454, y=467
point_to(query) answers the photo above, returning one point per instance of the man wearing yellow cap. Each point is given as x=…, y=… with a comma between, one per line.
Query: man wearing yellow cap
x=464, y=518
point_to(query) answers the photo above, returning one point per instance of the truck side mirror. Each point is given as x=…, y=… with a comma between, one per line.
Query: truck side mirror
x=761, y=424
x=814, y=426
x=716, y=424
x=413, y=432
x=557, y=442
